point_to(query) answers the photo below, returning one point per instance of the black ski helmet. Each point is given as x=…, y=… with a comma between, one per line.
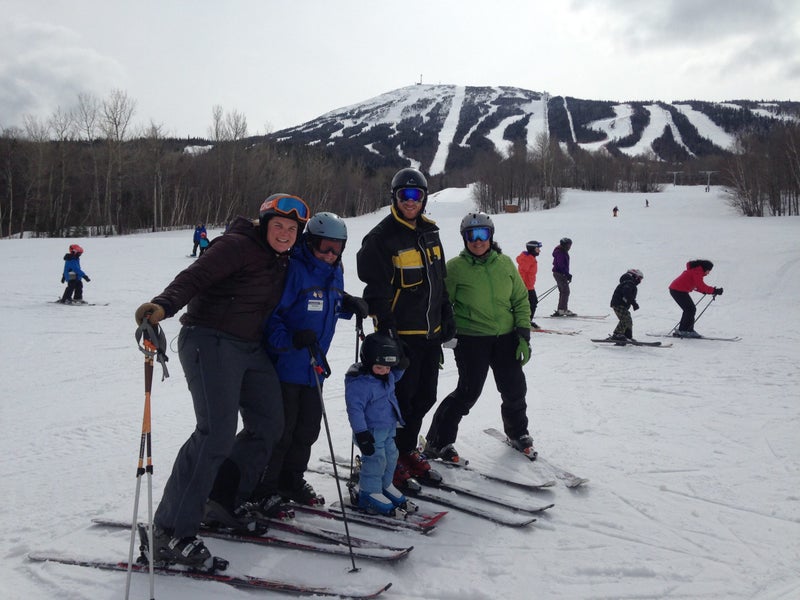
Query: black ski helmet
x=565, y=241
x=409, y=178
x=532, y=246
x=379, y=349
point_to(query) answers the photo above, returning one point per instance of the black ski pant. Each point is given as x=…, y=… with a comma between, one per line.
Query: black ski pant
x=416, y=390
x=74, y=290
x=533, y=300
x=474, y=356
x=226, y=376
x=563, y=290
x=684, y=300
x=302, y=414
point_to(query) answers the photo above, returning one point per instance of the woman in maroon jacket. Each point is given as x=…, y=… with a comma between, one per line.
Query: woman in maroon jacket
x=229, y=292
x=689, y=281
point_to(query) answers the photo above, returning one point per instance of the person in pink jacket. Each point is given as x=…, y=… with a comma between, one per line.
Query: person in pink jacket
x=691, y=280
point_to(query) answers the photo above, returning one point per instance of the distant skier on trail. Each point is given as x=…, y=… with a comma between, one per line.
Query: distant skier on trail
x=692, y=279
x=622, y=300
x=199, y=230
x=614, y=211
x=73, y=276
x=562, y=276
x=528, y=266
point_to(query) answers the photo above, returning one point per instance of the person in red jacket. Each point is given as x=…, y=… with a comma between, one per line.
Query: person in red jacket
x=528, y=267
x=691, y=280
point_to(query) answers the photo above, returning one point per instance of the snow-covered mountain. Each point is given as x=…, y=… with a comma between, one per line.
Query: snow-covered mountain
x=441, y=127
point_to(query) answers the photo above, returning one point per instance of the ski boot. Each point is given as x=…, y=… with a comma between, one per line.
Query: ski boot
x=189, y=551
x=418, y=467
x=376, y=503
x=399, y=500
x=304, y=494
x=524, y=444
x=241, y=520
x=272, y=506
x=447, y=454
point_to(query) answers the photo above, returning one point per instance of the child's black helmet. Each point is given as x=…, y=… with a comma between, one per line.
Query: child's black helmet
x=532, y=245
x=379, y=349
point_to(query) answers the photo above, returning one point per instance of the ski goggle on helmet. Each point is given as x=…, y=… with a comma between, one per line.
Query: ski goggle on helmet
x=410, y=193
x=287, y=206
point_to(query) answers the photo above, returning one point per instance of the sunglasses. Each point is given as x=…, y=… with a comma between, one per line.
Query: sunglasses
x=286, y=205
x=476, y=234
x=329, y=246
x=415, y=194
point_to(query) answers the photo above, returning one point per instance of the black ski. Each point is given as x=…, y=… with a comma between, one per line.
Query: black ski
x=555, y=331
x=577, y=317
x=569, y=479
x=239, y=581
x=80, y=303
x=419, y=523
x=631, y=343
x=285, y=541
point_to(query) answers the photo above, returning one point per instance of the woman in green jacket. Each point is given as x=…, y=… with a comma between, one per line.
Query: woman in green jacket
x=493, y=319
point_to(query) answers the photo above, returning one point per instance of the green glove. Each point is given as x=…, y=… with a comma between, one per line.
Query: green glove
x=523, y=353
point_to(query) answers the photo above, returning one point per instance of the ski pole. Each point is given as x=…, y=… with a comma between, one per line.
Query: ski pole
x=325, y=371
x=545, y=294
x=671, y=331
x=359, y=338
x=147, y=338
x=713, y=297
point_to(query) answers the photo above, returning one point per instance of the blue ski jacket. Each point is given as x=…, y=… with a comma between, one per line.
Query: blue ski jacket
x=371, y=401
x=312, y=299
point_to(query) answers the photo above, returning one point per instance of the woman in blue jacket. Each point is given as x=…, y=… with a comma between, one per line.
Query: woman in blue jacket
x=304, y=322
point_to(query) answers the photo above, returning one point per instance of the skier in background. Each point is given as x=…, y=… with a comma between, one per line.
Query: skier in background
x=692, y=279
x=528, y=266
x=562, y=276
x=73, y=276
x=622, y=300
x=198, y=231
x=204, y=243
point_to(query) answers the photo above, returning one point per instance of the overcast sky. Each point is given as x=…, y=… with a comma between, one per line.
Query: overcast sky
x=283, y=63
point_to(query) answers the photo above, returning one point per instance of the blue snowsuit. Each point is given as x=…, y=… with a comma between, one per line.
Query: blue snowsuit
x=372, y=406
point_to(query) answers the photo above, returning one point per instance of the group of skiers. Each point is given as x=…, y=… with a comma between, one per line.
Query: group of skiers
x=262, y=304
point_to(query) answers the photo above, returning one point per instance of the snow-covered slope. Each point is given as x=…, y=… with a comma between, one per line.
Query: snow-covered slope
x=692, y=451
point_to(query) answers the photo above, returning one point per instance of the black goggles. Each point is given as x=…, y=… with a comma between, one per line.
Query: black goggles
x=328, y=246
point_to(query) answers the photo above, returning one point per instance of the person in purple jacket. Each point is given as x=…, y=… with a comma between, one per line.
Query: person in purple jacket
x=562, y=276
x=228, y=292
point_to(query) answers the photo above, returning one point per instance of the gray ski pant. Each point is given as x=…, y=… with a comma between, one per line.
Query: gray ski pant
x=226, y=376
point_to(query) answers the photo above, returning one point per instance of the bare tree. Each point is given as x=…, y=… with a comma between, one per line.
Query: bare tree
x=117, y=112
x=87, y=114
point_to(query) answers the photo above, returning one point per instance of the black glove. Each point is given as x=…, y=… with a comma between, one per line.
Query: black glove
x=63, y=280
x=86, y=278
x=718, y=291
x=403, y=362
x=569, y=278
x=354, y=304
x=448, y=331
x=524, y=333
x=635, y=306
x=305, y=338
x=366, y=443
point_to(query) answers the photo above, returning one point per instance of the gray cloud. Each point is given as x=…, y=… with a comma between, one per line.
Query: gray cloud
x=47, y=66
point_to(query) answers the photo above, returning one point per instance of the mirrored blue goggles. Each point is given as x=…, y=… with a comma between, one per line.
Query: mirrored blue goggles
x=476, y=234
x=286, y=205
x=415, y=194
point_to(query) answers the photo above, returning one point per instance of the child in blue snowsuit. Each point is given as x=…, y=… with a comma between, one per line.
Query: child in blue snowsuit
x=373, y=412
x=302, y=323
x=73, y=276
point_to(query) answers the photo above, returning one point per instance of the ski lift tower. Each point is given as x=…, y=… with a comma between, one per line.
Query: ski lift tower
x=708, y=178
x=674, y=176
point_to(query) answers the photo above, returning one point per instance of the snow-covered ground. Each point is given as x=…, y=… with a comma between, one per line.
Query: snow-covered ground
x=693, y=451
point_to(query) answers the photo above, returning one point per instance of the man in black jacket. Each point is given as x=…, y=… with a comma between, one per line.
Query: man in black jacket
x=402, y=263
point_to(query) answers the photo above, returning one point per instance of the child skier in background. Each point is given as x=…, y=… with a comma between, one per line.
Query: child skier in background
x=528, y=267
x=622, y=300
x=374, y=414
x=204, y=242
x=72, y=276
